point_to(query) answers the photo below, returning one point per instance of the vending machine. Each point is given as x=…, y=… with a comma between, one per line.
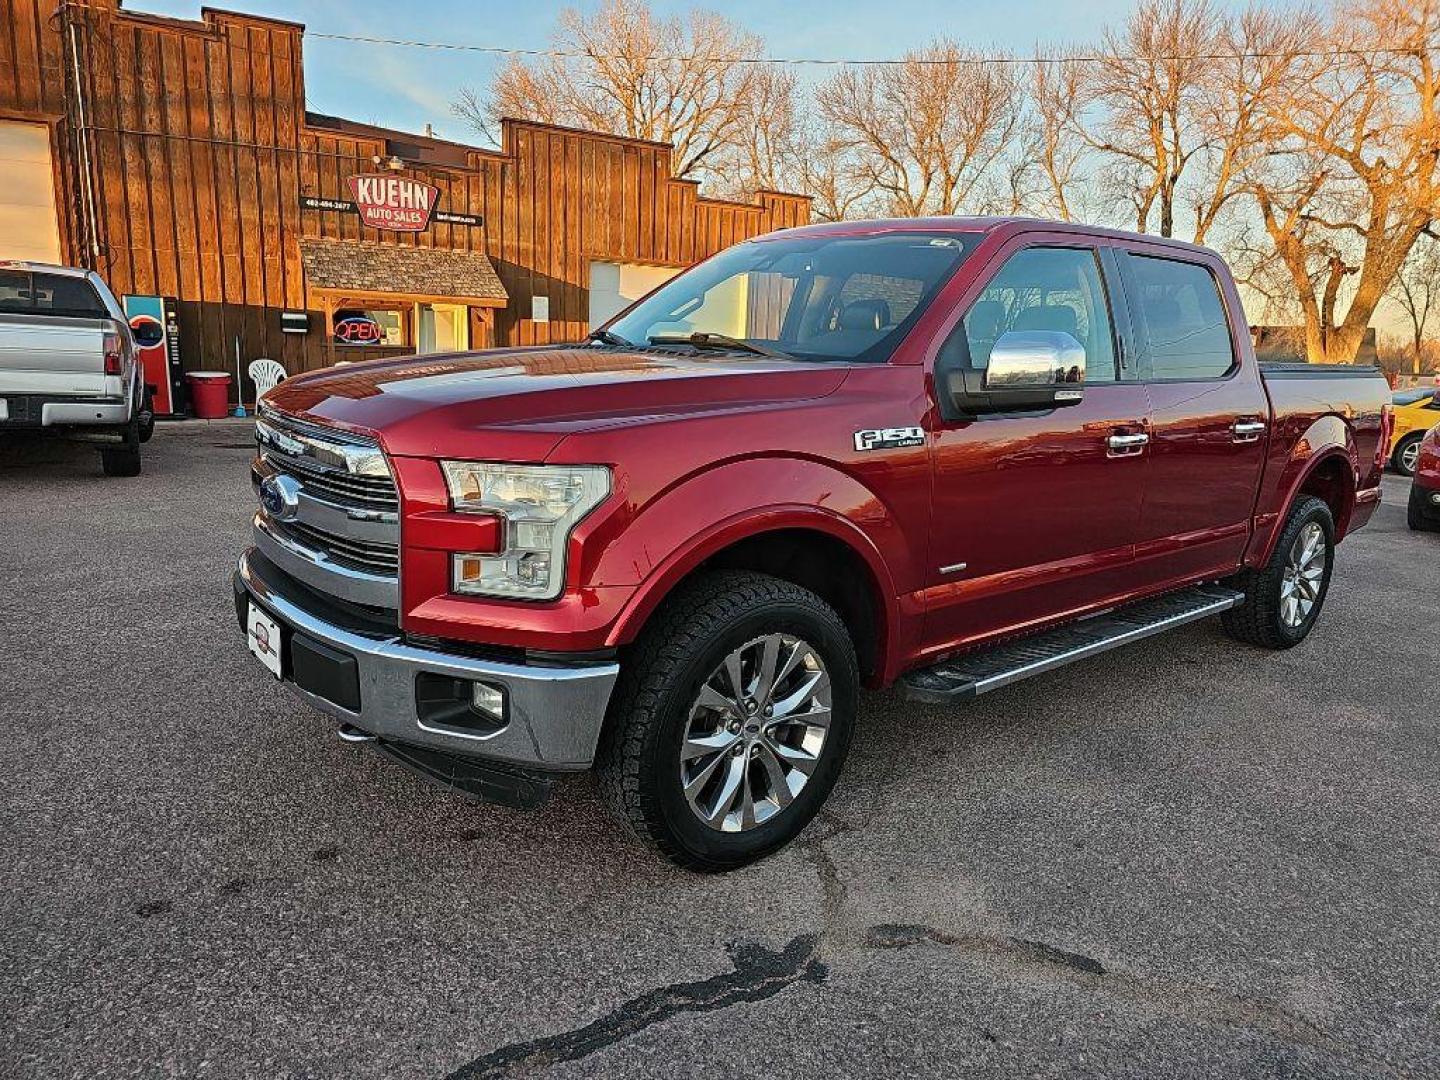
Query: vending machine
x=155, y=325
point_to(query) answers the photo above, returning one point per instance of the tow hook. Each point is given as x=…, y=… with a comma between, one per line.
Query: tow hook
x=352, y=734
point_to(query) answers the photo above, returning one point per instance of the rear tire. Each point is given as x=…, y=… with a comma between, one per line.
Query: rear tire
x=1406, y=454
x=656, y=766
x=146, y=427
x=1283, y=600
x=123, y=460
x=1417, y=514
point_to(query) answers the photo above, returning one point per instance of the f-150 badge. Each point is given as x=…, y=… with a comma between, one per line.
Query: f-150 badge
x=888, y=438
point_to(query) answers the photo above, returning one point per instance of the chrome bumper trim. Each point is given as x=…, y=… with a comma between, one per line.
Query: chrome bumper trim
x=555, y=713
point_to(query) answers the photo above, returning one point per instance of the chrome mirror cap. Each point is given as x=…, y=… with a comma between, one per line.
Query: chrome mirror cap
x=1035, y=359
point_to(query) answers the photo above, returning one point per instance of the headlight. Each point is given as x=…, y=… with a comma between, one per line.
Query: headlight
x=539, y=507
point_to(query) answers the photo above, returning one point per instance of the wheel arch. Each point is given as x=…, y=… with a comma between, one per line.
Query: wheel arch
x=1326, y=465
x=816, y=549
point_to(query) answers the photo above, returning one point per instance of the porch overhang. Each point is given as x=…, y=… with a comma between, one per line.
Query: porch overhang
x=356, y=269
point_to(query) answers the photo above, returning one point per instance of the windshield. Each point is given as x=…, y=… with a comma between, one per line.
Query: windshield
x=849, y=298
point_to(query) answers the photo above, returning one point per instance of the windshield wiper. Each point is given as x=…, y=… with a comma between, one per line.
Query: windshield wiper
x=717, y=341
x=605, y=337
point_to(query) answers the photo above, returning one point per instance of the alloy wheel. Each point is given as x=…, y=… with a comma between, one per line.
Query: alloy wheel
x=1303, y=577
x=1410, y=457
x=755, y=733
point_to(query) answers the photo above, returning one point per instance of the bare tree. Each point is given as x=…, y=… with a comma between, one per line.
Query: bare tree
x=1349, y=180
x=1138, y=103
x=768, y=132
x=1247, y=79
x=924, y=132
x=828, y=169
x=1053, y=147
x=1416, y=290
x=624, y=70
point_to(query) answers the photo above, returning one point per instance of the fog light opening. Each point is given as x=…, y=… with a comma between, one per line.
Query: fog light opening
x=458, y=706
x=489, y=701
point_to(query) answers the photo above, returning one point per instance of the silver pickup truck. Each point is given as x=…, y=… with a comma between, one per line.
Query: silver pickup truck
x=68, y=363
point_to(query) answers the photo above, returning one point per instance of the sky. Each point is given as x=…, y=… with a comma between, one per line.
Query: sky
x=406, y=88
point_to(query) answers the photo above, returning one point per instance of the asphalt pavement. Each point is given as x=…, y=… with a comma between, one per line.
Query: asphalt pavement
x=1184, y=858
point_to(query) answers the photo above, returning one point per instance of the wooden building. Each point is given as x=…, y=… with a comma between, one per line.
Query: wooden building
x=179, y=160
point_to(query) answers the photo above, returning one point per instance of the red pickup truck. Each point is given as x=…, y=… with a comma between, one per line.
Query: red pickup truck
x=951, y=453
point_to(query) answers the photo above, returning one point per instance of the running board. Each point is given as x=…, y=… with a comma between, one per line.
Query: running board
x=976, y=673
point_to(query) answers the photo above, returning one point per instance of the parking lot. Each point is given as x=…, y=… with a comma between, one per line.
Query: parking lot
x=1187, y=857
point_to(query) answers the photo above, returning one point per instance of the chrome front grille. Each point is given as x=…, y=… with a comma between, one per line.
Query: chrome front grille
x=370, y=492
x=329, y=509
x=377, y=558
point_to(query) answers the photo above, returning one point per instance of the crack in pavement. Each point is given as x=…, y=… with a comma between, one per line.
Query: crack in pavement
x=1192, y=1002
x=837, y=928
x=759, y=974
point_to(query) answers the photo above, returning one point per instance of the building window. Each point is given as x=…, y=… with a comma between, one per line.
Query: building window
x=379, y=327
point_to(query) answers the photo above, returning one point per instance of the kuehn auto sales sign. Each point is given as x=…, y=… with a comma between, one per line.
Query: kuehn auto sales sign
x=397, y=203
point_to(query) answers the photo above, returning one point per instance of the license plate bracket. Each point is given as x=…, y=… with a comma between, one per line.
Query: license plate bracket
x=262, y=635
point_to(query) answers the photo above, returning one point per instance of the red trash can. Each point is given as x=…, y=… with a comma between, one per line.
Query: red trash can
x=209, y=394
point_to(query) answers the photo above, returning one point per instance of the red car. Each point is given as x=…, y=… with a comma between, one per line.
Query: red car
x=949, y=453
x=1424, y=508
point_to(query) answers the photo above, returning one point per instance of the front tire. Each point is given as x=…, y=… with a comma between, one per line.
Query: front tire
x=1406, y=455
x=1283, y=600
x=731, y=720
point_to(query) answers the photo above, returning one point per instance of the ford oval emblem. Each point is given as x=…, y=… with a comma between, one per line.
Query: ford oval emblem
x=280, y=496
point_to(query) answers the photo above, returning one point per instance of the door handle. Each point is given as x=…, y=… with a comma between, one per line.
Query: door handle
x=1127, y=445
x=1245, y=431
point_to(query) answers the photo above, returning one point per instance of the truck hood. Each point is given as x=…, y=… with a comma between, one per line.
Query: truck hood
x=527, y=400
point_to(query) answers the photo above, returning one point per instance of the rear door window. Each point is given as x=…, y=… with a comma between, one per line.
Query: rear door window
x=1184, y=334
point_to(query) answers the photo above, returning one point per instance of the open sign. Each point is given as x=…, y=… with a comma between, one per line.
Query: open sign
x=358, y=330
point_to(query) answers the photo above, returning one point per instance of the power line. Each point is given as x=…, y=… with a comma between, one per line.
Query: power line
x=815, y=61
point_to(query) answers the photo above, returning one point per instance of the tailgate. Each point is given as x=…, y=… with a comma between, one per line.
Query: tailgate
x=41, y=355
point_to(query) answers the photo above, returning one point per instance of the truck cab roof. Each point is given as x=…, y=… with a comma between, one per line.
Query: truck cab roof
x=46, y=268
x=1008, y=224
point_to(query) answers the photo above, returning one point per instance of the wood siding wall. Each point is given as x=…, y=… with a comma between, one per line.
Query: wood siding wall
x=201, y=151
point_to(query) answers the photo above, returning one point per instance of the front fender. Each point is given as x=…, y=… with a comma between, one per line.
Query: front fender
x=709, y=511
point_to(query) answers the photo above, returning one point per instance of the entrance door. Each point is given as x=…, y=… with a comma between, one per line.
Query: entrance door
x=1035, y=514
x=443, y=328
x=28, y=227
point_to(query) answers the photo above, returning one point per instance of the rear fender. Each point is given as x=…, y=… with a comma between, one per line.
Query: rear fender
x=1329, y=438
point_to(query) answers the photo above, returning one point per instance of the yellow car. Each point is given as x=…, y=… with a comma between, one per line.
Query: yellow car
x=1412, y=419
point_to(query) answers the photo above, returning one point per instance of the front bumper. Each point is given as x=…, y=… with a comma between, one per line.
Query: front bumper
x=553, y=713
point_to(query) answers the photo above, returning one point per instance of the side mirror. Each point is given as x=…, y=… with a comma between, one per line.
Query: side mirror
x=1027, y=370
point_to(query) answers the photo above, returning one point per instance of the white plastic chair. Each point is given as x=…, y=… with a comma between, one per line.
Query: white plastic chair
x=266, y=374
